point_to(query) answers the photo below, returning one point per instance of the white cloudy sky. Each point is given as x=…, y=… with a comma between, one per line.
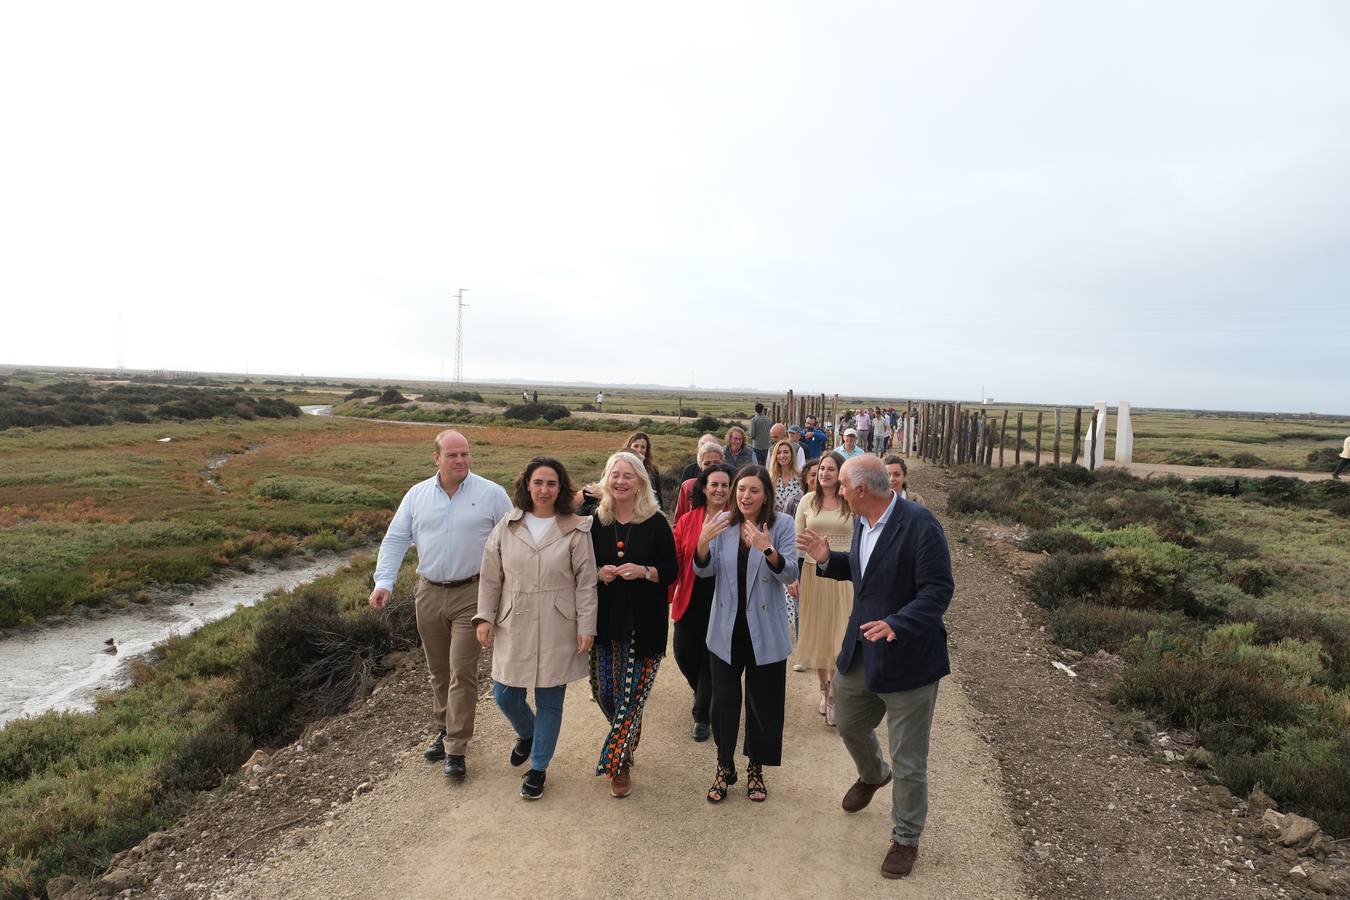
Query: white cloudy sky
x=1063, y=201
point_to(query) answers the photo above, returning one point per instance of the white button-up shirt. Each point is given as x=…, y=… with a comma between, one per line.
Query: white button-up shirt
x=449, y=531
x=868, y=535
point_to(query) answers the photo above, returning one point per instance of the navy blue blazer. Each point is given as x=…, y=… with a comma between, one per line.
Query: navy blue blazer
x=909, y=584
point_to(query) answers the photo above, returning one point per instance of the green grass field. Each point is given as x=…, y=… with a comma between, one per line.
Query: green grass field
x=97, y=514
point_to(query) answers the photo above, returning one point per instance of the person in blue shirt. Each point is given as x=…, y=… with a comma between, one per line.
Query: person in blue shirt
x=814, y=439
x=849, y=448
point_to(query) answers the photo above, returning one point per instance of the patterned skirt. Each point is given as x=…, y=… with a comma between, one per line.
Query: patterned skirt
x=621, y=681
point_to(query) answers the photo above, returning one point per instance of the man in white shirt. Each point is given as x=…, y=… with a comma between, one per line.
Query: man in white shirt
x=449, y=517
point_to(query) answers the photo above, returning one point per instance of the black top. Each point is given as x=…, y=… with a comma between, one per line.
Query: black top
x=690, y=471
x=637, y=608
x=656, y=487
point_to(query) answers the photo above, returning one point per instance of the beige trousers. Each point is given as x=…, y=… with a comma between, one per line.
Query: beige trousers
x=445, y=622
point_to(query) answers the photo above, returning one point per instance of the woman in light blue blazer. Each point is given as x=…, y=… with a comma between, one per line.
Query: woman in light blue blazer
x=748, y=627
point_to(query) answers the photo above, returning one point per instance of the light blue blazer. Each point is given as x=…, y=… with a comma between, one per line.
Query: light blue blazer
x=765, y=602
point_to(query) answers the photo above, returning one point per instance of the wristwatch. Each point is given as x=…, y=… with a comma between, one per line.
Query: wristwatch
x=647, y=572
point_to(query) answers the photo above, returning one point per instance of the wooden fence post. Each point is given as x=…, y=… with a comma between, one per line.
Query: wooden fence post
x=1002, y=434
x=1017, y=447
x=1040, y=414
x=1056, y=435
x=1077, y=434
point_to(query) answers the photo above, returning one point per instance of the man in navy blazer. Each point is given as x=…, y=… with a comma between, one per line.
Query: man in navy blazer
x=894, y=650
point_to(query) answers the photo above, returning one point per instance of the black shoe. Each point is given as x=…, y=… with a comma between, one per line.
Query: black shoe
x=701, y=731
x=521, y=751
x=435, y=751
x=532, y=788
x=455, y=768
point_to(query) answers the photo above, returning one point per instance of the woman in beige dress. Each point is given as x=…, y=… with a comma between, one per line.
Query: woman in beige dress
x=825, y=604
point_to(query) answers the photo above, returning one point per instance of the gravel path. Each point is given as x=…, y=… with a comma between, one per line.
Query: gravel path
x=418, y=836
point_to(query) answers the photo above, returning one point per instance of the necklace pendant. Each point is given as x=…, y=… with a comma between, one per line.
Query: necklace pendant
x=620, y=554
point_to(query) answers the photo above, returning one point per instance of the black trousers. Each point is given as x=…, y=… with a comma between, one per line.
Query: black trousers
x=691, y=654
x=765, y=689
x=1341, y=463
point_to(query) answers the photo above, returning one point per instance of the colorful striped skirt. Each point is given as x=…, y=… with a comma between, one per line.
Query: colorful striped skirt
x=621, y=681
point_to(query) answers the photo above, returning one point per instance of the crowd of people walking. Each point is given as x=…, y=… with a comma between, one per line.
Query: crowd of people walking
x=770, y=559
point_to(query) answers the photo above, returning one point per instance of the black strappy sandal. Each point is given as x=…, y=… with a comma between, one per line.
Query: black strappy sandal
x=721, y=784
x=755, y=788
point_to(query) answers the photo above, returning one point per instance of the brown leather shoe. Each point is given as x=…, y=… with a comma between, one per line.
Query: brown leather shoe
x=620, y=785
x=899, y=860
x=861, y=793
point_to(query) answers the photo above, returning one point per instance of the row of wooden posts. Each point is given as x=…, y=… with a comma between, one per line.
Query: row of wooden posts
x=947, y=434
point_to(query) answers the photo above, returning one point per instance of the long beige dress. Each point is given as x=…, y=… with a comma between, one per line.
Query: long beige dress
x=825, y=603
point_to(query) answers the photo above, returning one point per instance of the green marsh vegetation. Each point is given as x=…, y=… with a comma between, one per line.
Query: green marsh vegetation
x=76, y=788
x=93, y=512
x=1227, y=599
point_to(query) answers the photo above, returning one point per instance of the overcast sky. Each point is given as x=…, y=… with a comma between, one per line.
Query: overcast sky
x=1061, y=201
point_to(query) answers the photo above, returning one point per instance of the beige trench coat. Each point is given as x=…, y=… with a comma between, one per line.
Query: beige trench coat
x=539, y=599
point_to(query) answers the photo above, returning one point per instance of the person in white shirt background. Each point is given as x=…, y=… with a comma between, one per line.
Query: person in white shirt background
x=449, y=517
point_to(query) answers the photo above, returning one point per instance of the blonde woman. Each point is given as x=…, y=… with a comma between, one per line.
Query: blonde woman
x=635, y=562
x=536, y=604
x=825, y=604
x=786, y=477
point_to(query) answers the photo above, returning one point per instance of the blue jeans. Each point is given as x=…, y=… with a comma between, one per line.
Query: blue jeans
x=543, y=725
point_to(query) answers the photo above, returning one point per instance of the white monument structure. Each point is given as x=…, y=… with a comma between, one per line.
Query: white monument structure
x=1124, y=433
x=1094, y=451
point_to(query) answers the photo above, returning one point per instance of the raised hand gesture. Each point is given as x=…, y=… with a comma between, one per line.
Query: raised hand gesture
x=759, y=538
x=711, y=529
x=813, y=545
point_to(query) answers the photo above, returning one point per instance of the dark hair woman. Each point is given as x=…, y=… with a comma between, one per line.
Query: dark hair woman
x=824, y=604
x=691, y=596
x=537, y=604
x=635, y=560
x=748, y=627
x=640, y=444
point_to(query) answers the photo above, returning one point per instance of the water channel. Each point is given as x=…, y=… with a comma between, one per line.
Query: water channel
x=61, y=665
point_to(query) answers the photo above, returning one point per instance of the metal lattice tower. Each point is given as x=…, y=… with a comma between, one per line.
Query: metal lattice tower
x=459, y=337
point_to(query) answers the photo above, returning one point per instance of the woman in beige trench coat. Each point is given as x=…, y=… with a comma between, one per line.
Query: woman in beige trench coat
x=536, y=608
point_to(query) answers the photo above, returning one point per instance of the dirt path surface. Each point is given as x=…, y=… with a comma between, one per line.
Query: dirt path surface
x=419, y=836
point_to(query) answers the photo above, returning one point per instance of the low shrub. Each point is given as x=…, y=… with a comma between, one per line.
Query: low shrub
x=1233, y=547
x=1245, y=460
x=1251, y=577
x=1090, y=627
x=1056, y=540
x=308, y=661
x=1308, y=769
x=361, y=393
x=1323, y=458
x=391, y=396
x=317, y=490
x=1067, y=577
x=527, y=412
x=204, y=760
x=1232, y=708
